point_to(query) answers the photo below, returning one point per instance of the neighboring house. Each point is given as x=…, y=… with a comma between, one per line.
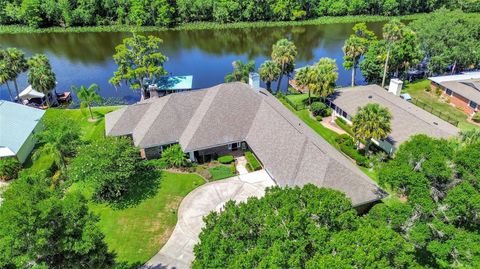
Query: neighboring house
x=234, y=115
x=462, y=90
x=18, y=124
x=407, y=119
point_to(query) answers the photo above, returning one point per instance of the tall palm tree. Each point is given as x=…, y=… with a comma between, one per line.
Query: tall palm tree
x=17, y=63
x=5, y=73
x=353, y=49
x=240, y=71
x=284, y=53
x=326, y=72
x=88, y=96
x=304, y=79
x=269, y=71
x=41, y=75
x=392, y=32
x=371, y=122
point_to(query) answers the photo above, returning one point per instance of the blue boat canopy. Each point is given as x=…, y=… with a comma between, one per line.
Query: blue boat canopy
x=174, y=83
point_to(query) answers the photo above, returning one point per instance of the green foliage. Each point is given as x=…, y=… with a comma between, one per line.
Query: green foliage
x=283, y=54
x=347, y=146
x=221, y=172
x=111, y=165
x=138, y=58
x=9, y=168
x=297, y=228
x=344, y=125
x=449, y=38
x=269, y=71
x=371, y=122
x=88, y=97
x=226, y=159
x=240, y=71
x=466, y=161
x=319, y=118
x=40, y=75
x=174, y=156
x=319, y=109
x=476, y=117
x=36, y=13
x=59, y=139
x=41, y=226
x=355, y=47
x=252, y=161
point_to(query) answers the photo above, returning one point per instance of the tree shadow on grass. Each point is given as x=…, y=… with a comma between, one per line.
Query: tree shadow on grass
x=146, y=185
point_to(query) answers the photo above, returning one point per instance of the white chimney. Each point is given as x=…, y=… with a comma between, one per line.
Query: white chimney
x=395, y=86
x=254, y=80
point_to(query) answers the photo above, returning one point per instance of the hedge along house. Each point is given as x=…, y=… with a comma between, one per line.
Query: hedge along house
x=18, y=124
x=231, y=115
x=462, y=91
x=407, y=119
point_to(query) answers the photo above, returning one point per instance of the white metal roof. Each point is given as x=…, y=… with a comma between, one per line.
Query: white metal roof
x=463, y=76
x=30, y=93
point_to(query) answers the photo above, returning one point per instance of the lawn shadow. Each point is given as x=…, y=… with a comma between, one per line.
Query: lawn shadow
x=146, y=186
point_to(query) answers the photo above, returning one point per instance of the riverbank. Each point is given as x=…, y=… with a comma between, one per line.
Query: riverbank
x=14, y=29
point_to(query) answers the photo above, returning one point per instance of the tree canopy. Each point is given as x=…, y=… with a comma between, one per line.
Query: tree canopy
x=240, y=72
x=56, y=230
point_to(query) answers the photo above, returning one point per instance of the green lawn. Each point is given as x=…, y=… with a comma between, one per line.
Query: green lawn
x=417, y=91
x=137, y=233
x=220, y=172
x=298, y=99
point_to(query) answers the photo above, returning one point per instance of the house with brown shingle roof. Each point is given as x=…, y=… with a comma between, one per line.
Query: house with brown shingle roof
x=235, y=115
x=407, y=119
x=462, y=90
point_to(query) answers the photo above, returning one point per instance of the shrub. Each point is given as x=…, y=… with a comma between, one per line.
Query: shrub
x=233, y=168
x=252, y=161
x=476, y=117
x=227, y=159
x=320, y=109
x=174, y=156
x=327, y=112
x=9, y=168
x=354, y=154
x=112, y=165
x=221, y=172
x=319, y=118
x=343, y=138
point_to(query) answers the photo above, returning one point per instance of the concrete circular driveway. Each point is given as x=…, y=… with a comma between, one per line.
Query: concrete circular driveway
x=178, y=251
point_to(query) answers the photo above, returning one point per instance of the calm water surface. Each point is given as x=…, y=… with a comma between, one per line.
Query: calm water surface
x=85, y=58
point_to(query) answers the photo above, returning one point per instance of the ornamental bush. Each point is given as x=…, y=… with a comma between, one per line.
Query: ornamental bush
x=174, y=156
x=227, y=159
x=252, y=161
x=476, y=117
x=318, y=108
x=9, y=168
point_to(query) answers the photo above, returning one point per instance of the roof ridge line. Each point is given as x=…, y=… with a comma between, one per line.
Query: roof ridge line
x=164, y=100
x=299, y=161
x=197, y=118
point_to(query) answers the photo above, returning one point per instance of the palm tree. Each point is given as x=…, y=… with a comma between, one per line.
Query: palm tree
x=269, y=71
x=88, y=96
x=17, y=63
x=304, y=78
x=284, y=53
x=392, y=32
x=240, y=71
x=5, y=73
x=353, y=49
x=371, y=122
x=41, y=75
x=326, y=73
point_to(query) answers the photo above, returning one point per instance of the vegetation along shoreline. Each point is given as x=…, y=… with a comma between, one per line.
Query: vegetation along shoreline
x=17, y=29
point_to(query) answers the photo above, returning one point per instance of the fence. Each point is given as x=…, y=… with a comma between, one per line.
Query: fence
x=435, y=112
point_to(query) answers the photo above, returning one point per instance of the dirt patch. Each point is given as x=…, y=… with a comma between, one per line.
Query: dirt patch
x=93, y=120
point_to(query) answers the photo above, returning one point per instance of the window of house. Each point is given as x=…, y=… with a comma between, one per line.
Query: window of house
x=473, y=104
x=449, y=92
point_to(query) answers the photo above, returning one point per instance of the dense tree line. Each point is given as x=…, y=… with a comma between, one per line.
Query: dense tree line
x=169, y=12
x=435, y=224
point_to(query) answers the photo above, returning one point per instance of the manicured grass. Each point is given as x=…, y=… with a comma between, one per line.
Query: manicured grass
x=13, y=29
x=417, y=91
x=137, y=233
x=221, y=172
x=253, y=163
x=298, y=99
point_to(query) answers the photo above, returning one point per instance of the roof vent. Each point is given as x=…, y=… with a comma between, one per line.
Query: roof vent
x=370, y=97
x=436, y=123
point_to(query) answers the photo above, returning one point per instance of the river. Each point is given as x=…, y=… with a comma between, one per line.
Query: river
x=85, y=58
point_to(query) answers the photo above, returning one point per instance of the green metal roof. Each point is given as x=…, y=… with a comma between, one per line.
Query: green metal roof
x=16, y=123
x=174, y=83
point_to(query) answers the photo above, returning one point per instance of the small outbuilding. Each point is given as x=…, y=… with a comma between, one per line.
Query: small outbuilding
x=18, y=124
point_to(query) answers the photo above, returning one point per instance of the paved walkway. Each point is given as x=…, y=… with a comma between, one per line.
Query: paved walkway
x=327, y=122
x=241, y=165
x=178, y=251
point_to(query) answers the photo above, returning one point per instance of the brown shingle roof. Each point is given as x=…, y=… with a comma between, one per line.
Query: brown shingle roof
x=407, y=119
x=469, y=89
x=291, y=152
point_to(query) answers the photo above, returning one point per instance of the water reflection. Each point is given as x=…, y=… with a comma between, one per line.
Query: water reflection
x=85, y=58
